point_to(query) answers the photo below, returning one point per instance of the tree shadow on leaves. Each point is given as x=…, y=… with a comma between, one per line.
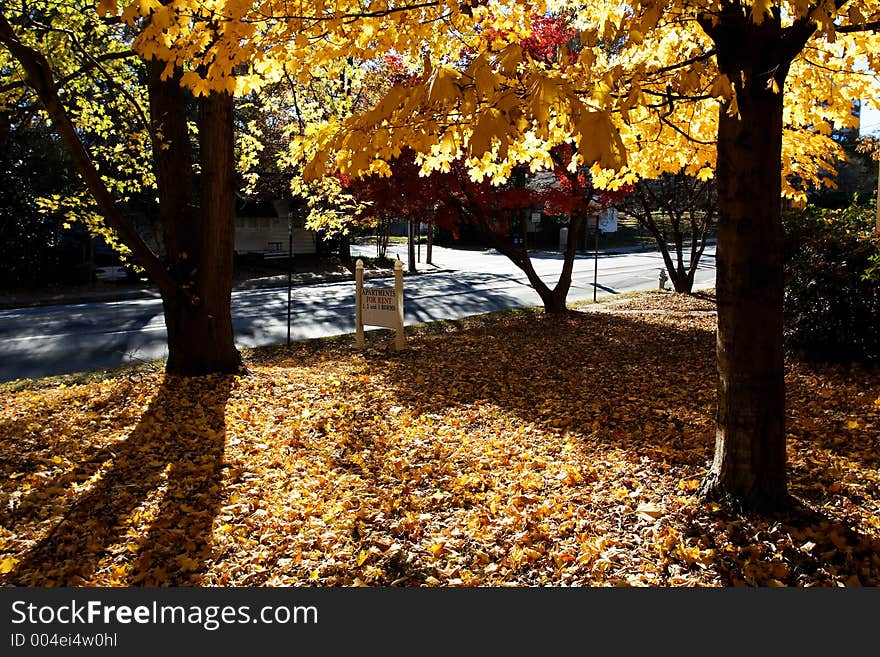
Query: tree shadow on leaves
x=800, y=547
x=166, y=475
x=620, y=378
x=646, y=385
x=832, y=409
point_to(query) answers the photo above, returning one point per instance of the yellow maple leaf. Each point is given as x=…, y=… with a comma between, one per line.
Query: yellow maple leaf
x=721, y=87
x=362, y=557
x=107, y=7
x=649, y=511
x=7, y=565
x=186, y=563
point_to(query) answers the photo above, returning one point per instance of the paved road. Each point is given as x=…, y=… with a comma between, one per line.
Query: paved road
x=69, y=338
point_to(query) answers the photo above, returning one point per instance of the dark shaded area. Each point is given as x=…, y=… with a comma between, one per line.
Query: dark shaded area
x=168, y=469
x=811, y=546
x=832, y=298
x=544, y=369
x=856, y=174
x=556, y=382
x=37, y=251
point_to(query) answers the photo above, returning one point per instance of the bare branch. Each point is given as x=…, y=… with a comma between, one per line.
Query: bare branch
x=687, y=62
x=86, y=68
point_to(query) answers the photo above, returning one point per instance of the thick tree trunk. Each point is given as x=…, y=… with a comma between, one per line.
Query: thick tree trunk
x=749, y=467
x=198, y=229
x=210, y=319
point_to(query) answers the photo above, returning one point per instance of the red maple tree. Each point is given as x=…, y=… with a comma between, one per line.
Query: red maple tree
x=499, y=214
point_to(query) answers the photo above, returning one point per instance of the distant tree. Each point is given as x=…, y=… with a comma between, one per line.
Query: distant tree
x=282, y=114
x=677, y=209
x=499, y=214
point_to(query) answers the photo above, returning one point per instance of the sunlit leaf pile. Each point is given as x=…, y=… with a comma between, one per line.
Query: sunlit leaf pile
x=514, y=449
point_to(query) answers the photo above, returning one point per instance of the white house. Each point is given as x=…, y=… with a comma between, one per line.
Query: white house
x=262, y=227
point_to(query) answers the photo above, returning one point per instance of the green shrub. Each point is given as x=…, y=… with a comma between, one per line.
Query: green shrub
x=832, y=304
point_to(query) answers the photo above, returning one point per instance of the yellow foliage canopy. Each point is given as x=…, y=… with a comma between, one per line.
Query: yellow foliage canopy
x=644, y=92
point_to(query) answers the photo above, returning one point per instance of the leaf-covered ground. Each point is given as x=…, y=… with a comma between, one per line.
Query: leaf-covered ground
x=515, y=449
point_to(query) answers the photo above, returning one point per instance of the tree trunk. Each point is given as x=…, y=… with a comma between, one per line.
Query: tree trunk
x=216, y=243
x=198, y=231
x=554, y=300
x=563, y=284
x=383, y=233
x=676, y=195
x=345, y=252
x=41, y=79
x=749, y=467
x=195, y=277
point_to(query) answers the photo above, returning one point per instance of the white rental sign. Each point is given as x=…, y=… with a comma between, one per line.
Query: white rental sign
x=379, y=305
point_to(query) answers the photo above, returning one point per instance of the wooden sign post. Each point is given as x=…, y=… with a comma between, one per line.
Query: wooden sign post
x=379, y=306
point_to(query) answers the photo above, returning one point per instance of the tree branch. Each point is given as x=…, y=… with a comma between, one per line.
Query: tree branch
x=88, y=66
x=873, y=26
x=693, y=60
x=666, y=121
x=41, y=80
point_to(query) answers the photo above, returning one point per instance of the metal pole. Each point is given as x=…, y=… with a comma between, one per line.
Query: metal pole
x=410, y=247
x=877, y=222
x=596, y=262
x=289, y=270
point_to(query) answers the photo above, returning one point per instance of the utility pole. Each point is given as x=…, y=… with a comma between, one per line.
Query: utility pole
x=430, y=244
x=411, y=247
x=289, y=270
x=596, y=262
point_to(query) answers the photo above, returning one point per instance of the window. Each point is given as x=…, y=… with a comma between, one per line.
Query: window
x=275, y=246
